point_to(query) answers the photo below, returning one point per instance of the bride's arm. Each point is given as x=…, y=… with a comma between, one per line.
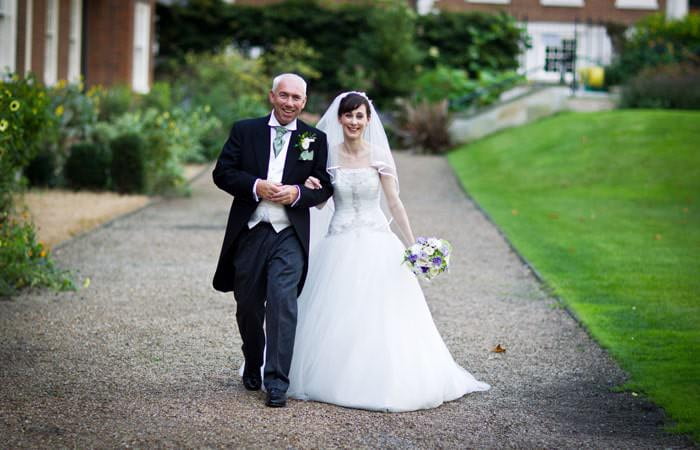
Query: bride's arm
x=398, y=212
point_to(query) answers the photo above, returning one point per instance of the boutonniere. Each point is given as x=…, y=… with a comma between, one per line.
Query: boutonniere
x=303, y=143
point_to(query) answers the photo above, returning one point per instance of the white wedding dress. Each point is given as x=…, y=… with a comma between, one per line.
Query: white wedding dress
x=365, y=337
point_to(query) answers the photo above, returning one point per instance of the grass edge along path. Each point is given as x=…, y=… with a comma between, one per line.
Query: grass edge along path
x=606, y=207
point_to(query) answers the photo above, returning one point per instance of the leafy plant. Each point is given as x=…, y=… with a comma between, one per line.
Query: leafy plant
x=26, y=262
x=426, y=124
x=654, y=41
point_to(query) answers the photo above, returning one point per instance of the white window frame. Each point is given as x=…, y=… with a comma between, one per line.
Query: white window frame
x=637, y=4
x=75, y=40
x=8, y=35
x=28, y=41
x=564, y=3
x=51, y=40
x=496, y=2
x=140, y=64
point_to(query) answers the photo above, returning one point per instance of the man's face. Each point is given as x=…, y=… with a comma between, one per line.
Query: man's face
x=288, y=100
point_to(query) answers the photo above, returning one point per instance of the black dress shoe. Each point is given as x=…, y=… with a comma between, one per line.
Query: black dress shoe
x=252, y=383
x=276, y=398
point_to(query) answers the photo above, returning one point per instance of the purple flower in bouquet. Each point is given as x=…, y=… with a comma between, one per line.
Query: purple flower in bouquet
x=428, y=257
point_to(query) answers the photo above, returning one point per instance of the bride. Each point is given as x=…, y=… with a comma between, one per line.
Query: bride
x=365, y=337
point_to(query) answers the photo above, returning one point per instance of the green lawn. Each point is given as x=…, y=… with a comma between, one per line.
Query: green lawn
x=606, y=207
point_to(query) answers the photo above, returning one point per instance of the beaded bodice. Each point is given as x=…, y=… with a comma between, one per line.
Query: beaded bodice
x=356, y=193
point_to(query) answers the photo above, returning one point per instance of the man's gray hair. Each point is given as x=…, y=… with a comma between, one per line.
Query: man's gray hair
x=287, y=76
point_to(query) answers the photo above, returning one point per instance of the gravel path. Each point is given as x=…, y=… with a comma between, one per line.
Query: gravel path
x=147, y=355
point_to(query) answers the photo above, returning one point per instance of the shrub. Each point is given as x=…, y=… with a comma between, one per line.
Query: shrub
x=675, y=86
x=471, y=41
x=41, y=171
x=114, y=101
x=292, y=55
x=653, y=42
x=426, y=125
x=461, y=91
x=26, y=262
x=75, y=113
x=229, y=85
x=87, y=166
x=128, y=167
x=25, y=120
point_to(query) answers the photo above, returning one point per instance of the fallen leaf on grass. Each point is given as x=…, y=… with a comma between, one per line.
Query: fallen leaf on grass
x=515, y=212
x=657, y=237
x=498, y=349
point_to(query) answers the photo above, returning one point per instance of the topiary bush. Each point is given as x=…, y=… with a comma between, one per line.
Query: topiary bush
x=128, y=168
x=41, y=171
x=88, y=166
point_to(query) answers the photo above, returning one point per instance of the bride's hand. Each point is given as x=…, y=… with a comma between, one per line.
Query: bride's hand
x=312, y=183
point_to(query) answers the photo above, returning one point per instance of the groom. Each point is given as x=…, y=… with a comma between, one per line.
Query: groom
x=265, y=253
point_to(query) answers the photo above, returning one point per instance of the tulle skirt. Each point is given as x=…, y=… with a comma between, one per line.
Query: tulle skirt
x=365, y=337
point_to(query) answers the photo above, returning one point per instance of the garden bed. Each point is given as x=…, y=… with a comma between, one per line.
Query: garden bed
x=61, y=214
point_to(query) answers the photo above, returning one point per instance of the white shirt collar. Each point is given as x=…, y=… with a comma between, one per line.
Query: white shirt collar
x=291, y=126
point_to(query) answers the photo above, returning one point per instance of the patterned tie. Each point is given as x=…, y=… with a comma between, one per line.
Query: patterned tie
x=279, y=139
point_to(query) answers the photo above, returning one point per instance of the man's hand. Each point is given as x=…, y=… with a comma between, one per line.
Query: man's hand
x=312, y=183
x=286, y=195
x=266, y=190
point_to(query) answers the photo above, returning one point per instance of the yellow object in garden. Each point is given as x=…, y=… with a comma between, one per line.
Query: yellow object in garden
x=593, y=76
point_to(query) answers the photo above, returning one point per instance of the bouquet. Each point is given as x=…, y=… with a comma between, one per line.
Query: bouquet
x=428, y=257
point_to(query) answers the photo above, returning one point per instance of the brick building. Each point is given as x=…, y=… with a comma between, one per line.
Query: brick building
x=106, y=42
x=557, y=28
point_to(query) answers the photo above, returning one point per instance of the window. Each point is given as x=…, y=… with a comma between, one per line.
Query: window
x=558, y=56
x=74, y=39
x=8, y=34
x=637, y=4
x=142, y=41
x=51, y=38
x=567, y=3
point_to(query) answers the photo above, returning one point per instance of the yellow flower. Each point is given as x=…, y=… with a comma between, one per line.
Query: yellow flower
x=14, y=105
x=59, y=110
x=61, y=84
x=42, y=254
x=3, y=125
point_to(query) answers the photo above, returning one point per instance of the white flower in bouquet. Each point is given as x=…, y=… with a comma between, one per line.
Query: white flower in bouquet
x=428, y=257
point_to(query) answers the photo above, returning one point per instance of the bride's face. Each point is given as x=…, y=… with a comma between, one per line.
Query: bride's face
x=354, y=122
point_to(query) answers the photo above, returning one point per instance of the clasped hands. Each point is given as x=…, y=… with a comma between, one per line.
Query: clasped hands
x=283, y=194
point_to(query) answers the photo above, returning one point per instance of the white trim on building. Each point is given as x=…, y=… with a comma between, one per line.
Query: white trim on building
x=75, y=40
x=497, y=2
x=51, y=40
x=637, y=4
x=564, y=3
x=676, y=9
x=28, y=41
x=142, y=51
x=8, y=35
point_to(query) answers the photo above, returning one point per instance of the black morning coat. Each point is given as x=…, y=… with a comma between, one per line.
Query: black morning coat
x=244, y=158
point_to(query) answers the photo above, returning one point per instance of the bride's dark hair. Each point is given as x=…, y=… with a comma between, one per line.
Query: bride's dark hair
x=351, y=102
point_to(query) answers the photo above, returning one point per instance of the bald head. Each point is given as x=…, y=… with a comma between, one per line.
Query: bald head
x=290, y=78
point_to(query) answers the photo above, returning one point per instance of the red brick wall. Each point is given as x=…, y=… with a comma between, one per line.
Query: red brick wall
x=38, y=38
x=596, y=11
x=108, y=41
